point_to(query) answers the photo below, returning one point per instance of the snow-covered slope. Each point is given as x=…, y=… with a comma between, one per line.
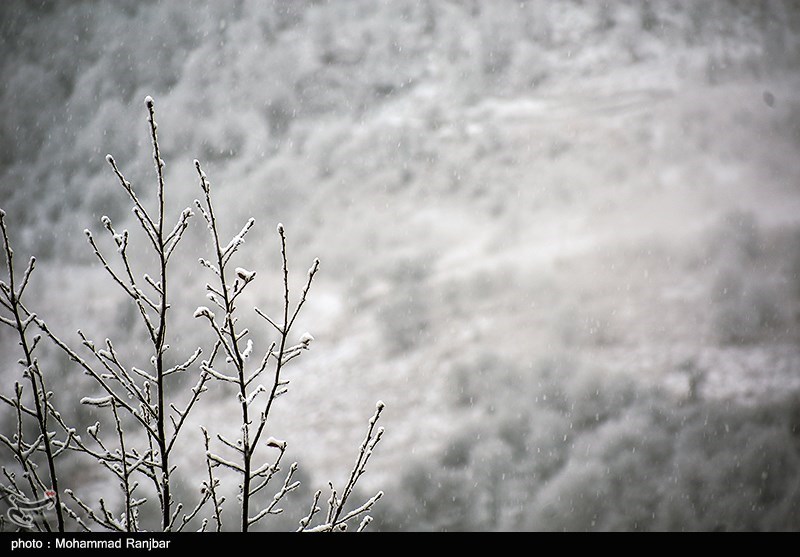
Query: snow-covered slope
x=511, y=201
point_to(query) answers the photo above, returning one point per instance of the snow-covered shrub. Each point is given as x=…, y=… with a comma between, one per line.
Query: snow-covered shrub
x=145, y=402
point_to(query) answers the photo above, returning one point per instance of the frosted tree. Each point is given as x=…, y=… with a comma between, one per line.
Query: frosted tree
x=254, y=398
x=142, y=398
x=19, y=318
x=139, y=395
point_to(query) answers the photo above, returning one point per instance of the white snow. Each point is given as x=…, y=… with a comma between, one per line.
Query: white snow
x=248, y=349
x=218, y=460
x=306, y=339
x=252, y=396
x=235, y=242
x=99, y=401
x=277, y=443
x=203, y=311
x=244, y=274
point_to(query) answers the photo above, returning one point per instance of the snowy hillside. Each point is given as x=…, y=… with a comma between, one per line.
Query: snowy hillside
x=560, y=239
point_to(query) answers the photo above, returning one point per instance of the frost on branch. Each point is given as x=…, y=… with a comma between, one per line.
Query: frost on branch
x=99, y=401
x=276, y=443
x=244, y=274
x=248, y=349
x=306, y=339
x=203, y=311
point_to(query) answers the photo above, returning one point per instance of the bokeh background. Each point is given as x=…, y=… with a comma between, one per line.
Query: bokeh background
x=560, y=239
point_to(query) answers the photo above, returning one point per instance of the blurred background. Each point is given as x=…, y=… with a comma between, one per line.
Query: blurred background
x=560, y=239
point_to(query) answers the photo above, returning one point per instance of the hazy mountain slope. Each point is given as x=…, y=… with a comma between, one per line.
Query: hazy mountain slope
x=548, y=230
